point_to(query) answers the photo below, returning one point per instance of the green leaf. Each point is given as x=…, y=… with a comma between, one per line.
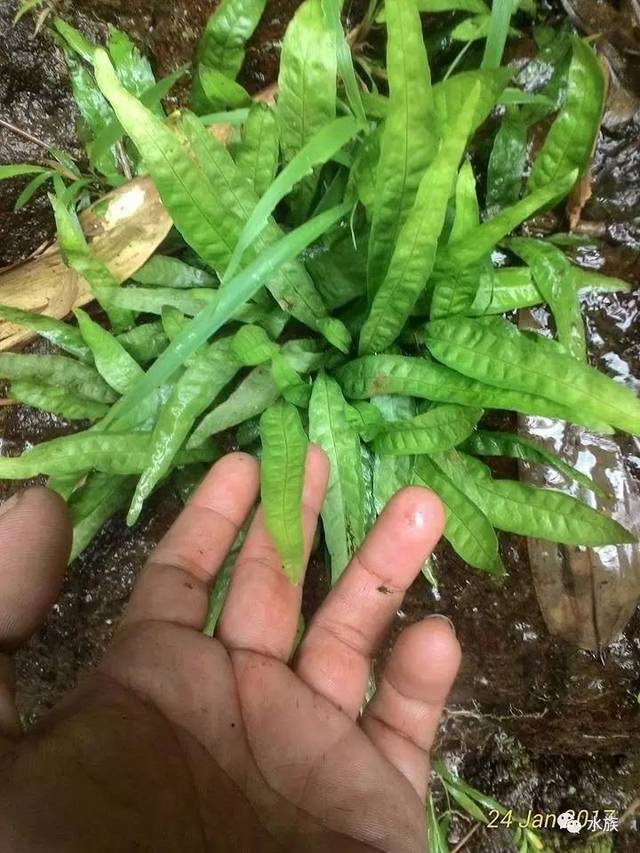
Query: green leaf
x=253, y=346
x=591, y=280
x=204, y=378
x=113, y=362
x=144, y=342
x=511, y=288
x=455, y=289
x=440, y=428
x=365, y=418
x=415, y=251
x=436, y=836
x=213, y=317
x=214, y=91
x=554, y=278
x=97, y=118
x=284, y=452
x=101, y=496
x=25, y=7
x=76, y=41
x=484, y=443
x=58, y=401
x=476, y=7
x=256, y=392
x=320, y=148
x=501, y=12
x=392, y=473
x=374, y=375
x=540, y=513
x=450, y=94
x=173, y=322
x=222, y=43
x=235, y=118
x=222, y=582
x=339, y=272
x=198, y=181
x=112, y=453
x=259, y=152
x=331, y=10
x=408, y=144
x=290, y=385
x=507, y=162
x=513, y=97
x=55, y=331
x=476, y=244
x=452, y=780
x=364, y=170
x=31, y=189
x=133, y=69
x=465, y=802
x=77, y=256
x=58, y=371
x=172, y=272
x=151, y=300
x=569, y=144
x=307, y=81
x=252, y=396
x=292, y=287
x=495, y=352
x=183, y=184
x=19, y=169
x=473, y=28
x=467, y=529
x=343, y=515
x=111, y=133
x=467, y=214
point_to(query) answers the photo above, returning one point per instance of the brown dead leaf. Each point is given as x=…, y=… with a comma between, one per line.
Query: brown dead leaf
x=586, y=595
x=123, y=229
x=579, y=197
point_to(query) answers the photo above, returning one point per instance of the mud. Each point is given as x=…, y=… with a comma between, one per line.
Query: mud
x=536, y=722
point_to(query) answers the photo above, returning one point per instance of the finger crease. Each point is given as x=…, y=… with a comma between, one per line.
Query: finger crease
x=413, y=699
x=347, y=635
x=191, y=570
x=379, y=580
x=370, y=716
x=218, y=514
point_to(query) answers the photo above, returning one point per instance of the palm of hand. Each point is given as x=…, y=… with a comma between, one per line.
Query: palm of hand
x=180, y=742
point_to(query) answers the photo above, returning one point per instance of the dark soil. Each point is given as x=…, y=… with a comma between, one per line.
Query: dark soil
x=536, y=722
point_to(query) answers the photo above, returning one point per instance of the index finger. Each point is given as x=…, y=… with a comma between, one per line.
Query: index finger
x=174, y=585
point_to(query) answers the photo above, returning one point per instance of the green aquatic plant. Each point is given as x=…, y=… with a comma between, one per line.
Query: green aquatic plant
x=331, y=278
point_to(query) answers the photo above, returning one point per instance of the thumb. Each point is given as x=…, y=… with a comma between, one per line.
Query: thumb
x=35, y=540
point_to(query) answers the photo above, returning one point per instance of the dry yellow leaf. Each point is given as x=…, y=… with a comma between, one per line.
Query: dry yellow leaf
x=123, y=229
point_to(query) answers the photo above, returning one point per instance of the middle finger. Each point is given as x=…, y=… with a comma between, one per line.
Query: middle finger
x=262, y=607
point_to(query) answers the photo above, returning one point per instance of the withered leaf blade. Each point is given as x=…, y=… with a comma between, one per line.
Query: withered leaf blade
x=123, y=229
x=586, y=595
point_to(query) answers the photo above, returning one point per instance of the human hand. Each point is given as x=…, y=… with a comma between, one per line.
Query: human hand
x=179, y=742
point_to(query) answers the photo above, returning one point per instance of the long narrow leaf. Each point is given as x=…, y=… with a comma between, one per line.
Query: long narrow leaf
x=320, y=148
x=239, y=290
x=408, y=143
x=331, y=10
x=501, y=12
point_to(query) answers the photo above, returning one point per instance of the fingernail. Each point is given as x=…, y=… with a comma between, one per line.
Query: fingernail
x=10, y=503
x=445, y=618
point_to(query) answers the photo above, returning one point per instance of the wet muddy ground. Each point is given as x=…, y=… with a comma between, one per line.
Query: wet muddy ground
x=540, y=724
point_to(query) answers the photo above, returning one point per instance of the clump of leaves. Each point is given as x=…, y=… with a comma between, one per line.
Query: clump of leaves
x=477, y=806
x=331, y=278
